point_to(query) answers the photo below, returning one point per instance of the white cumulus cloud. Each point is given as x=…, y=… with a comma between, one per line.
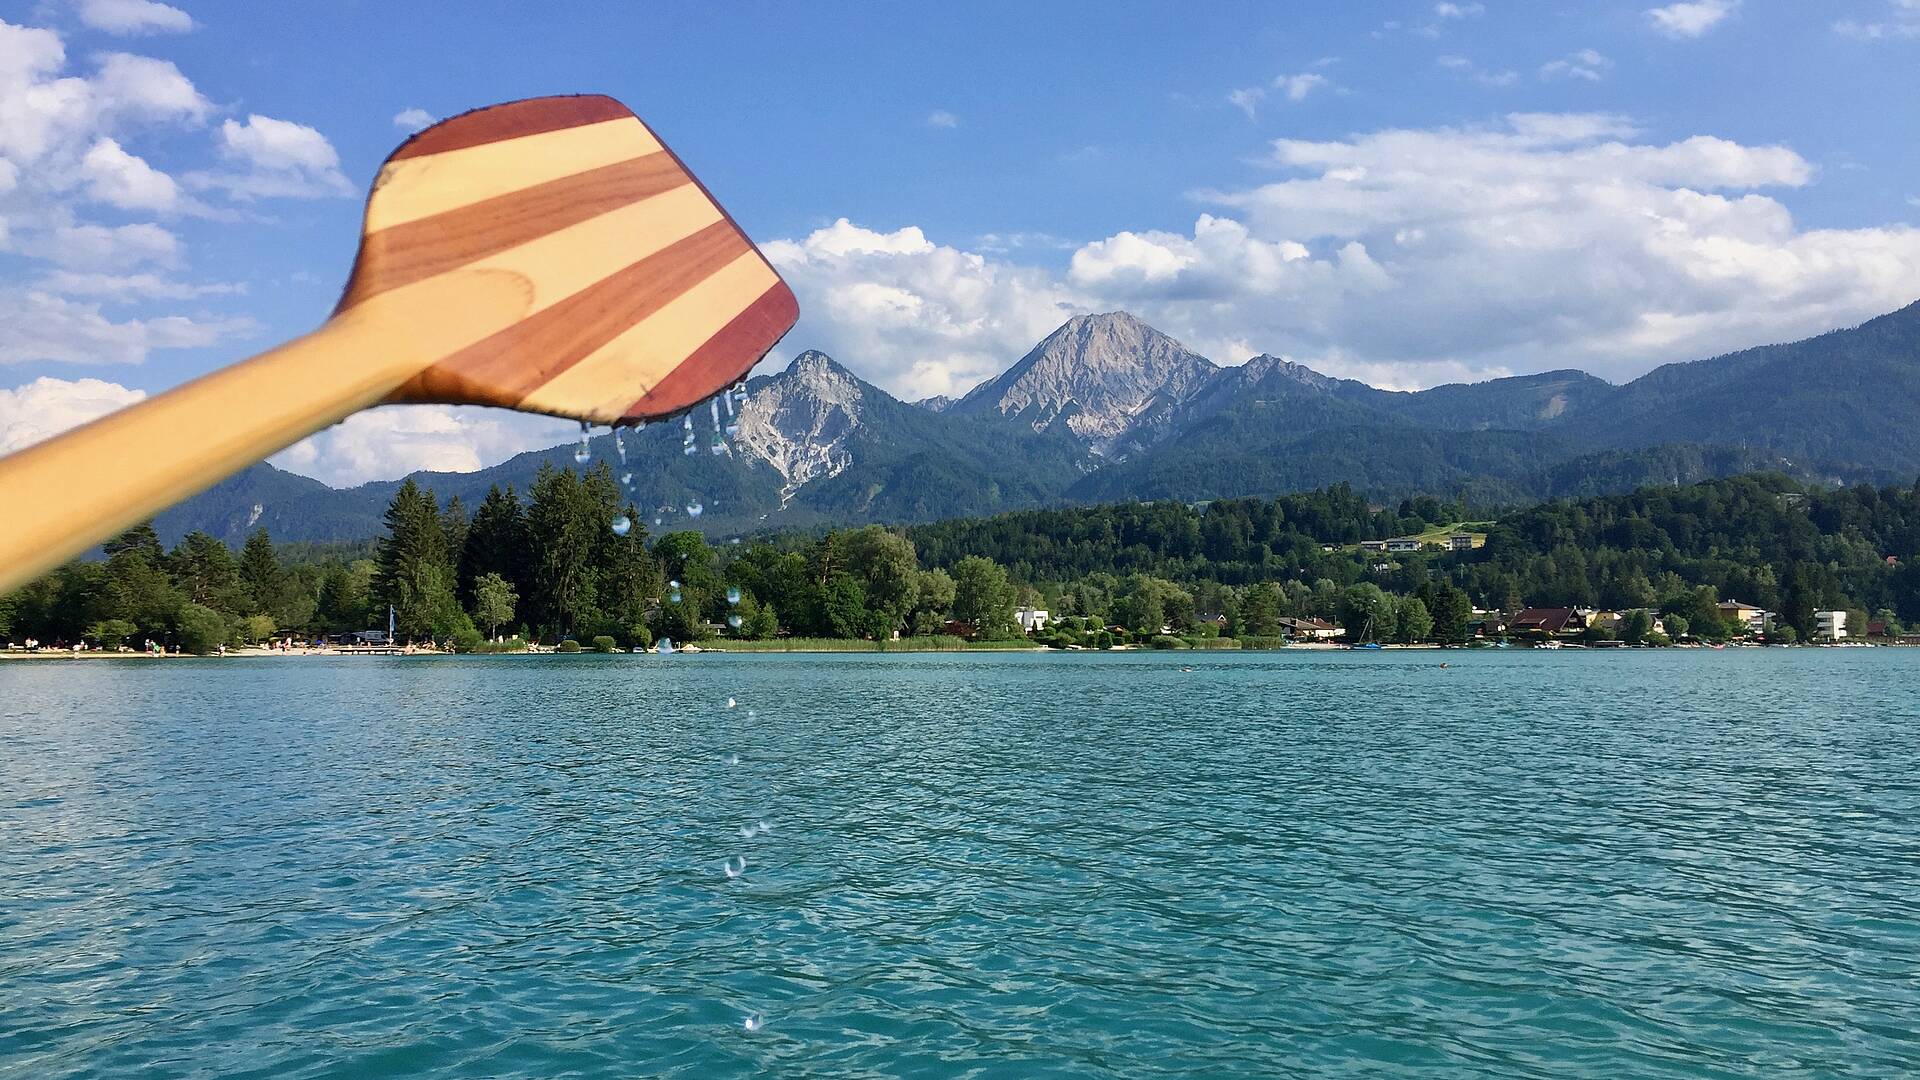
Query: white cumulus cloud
x=1690, y=19
x=47, y=406
x=277, y=159
x=412, y=119
x=120, y=179
x=143, y=88
x=131, y=17
x=917, y=317
x=392, y=441
x=72, y=142
x=941, y=118
x=40, y=326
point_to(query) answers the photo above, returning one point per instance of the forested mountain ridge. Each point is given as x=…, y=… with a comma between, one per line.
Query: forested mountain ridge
x=548, y=564
x=1848, y=398
x=1107, y=408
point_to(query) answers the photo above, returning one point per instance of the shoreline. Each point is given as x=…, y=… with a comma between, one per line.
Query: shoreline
x=876, y=648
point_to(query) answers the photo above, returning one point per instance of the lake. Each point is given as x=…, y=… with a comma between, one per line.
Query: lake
x=1572, y=864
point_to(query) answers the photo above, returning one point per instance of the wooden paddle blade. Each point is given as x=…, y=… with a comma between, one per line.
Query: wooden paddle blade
x=643, y=295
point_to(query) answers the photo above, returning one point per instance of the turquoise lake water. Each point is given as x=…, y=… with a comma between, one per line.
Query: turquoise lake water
x=1681, y=864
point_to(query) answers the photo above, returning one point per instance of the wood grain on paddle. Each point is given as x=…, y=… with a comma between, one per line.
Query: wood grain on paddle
x=549, y=255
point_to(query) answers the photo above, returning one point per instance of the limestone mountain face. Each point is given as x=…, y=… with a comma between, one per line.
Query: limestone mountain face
x=800, y=421
x=1100, y=377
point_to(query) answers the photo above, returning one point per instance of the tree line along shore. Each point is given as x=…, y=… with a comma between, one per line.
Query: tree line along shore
x=546, y=570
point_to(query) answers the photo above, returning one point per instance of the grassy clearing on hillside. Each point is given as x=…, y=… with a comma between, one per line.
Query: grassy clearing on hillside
x=1439, y=533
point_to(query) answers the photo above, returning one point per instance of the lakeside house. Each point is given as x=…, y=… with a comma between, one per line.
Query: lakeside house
x=1373, y=545
x=1309, y=629
x=1403, y=544
x=1465, y=541
x=1031, y=619
x=1830, y=625
x=1754, y=619
x=1548, y=622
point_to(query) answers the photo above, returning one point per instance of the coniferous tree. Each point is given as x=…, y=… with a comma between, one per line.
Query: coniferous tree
x=414, y=574
x=455, y=524
x=205, y=572
x=260, y=573
x=496, y=543
x=139, y=590
x=1452, y=612
x=564, y=530
x=630, y=580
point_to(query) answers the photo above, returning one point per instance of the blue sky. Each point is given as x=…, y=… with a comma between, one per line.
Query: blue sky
x=1409, y=193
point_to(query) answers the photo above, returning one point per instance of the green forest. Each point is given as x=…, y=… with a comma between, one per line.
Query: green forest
x=548, y=567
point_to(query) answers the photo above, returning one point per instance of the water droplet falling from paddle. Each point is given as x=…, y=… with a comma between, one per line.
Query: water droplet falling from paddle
x=718, y=445
x=733, y=420
x=622, y=525
x=583, y=453
x=694, y=509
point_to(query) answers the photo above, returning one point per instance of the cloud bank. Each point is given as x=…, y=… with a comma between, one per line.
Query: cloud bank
x=72, y=153
x=1406, y=256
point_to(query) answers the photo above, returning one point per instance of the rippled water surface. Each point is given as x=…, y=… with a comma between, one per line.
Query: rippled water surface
x=1294, y=864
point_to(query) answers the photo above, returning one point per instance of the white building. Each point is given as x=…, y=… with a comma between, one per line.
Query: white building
x=1830, y=625
x=1031, y=620
x=1403, y=544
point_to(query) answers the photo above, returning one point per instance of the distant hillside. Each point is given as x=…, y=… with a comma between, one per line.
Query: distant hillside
x=1108, y=408
x=1849, y=398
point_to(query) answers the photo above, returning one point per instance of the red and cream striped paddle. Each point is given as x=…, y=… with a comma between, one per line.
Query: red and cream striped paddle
x=548, y=255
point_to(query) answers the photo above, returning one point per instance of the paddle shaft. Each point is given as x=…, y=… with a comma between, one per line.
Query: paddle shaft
x=65, y=495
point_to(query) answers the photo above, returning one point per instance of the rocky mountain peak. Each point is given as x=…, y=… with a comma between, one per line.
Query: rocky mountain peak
x=1099, y=375
x=799, y=421
x=1267, y=365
